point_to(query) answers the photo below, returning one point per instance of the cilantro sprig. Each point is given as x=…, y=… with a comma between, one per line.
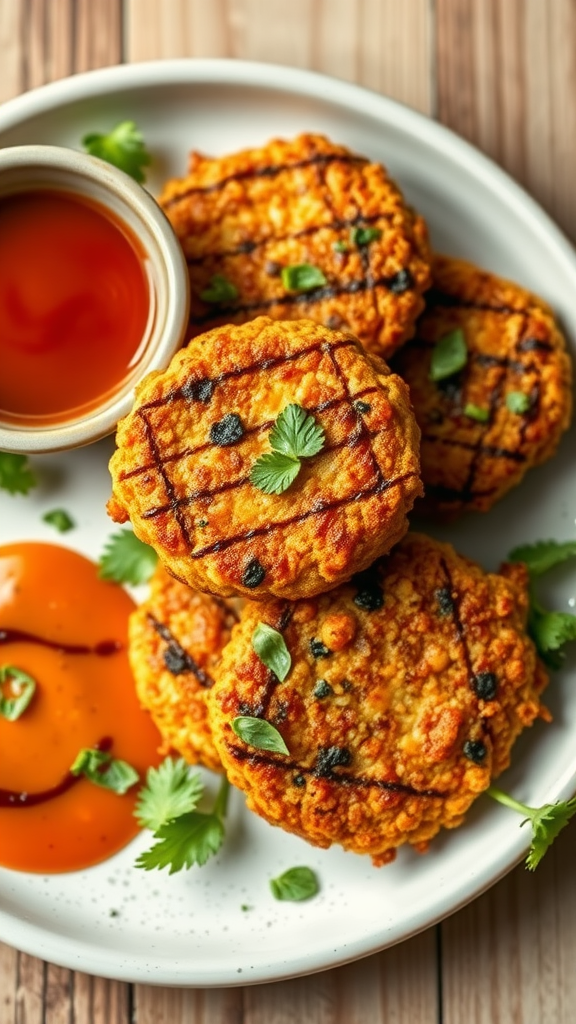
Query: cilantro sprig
x=167, y=804
x=546, y=821
x=126, y=559
x=295, y=436
x=550, y=630
x=16, y=476
x=123, y=147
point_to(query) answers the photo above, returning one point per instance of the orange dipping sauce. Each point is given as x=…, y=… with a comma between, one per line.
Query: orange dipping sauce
x=81, y=699
x=74, y=305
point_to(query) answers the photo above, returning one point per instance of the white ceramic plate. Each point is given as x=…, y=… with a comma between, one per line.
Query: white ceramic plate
x=190, y=929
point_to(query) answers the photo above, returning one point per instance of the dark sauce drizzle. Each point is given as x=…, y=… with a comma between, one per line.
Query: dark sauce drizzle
x=12, y=798
x=103, y=649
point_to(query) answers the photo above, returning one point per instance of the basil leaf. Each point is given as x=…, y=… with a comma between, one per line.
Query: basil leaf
x=270, y=647
x=363, y=236
x=219, y=291
x=295, y=884
x=59, y=519
x=21, y=685
x=103, y=770
x=296, y=433
x=302, y=277
x=259, y=733
x=518, y=402
x=449, y=355
x=476, y=412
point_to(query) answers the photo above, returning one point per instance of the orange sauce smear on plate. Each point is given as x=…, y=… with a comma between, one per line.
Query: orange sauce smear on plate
x=74, y=305
x=55, y=595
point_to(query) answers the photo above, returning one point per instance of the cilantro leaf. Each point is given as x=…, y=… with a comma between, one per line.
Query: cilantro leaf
x=296, y=433
x=295, y=884
x=189, y=839
x=126, y=559
x=543, y=555
x=273, y=472
x=102, y=769
x=170, y=791
x=16, y=477
x=123, y=147
x=59, y=519
x=547, y=821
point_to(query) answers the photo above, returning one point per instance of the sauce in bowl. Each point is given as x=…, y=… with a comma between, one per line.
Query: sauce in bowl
x=67, y=629
x=75, y=305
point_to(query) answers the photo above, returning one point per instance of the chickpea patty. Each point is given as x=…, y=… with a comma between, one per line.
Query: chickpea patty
x=505, y=410
x=175, y=643
x=186, y=451
x=407, y=689
x=243, y=219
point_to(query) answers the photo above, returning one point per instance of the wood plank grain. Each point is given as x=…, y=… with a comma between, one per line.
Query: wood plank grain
x=187, y=1006
x=505, y=75
x=99, y=1001
x=510, y=955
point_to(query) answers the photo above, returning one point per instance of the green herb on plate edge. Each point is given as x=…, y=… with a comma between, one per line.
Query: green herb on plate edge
x=546, y=821
x=123, y=147
x=549, y=630
x=16, y=476
x=59, y=519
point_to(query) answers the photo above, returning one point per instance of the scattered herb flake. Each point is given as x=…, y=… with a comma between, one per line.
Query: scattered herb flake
x=295, y=884
x=476, y=412
x=171, y=790
x=126, y=559
x=259, y=733
x=271, y=648
x=302, y=277
x=220, y=291
x=341, y=246
x=449, y=355
x=59, y=519
x=16, y=477
x=20, y=689
x=123, y=147
x=547, y=821
x=518, y=402
x=363, y=236
x=102, y=769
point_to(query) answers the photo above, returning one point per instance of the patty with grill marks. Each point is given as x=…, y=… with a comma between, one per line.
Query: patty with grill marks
x=175, y=641
x=505, y=411
x=407, y=688
x=185, y=453
x=247, y=216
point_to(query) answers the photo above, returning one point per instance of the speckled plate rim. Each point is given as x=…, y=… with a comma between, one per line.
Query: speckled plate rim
x=76, y=953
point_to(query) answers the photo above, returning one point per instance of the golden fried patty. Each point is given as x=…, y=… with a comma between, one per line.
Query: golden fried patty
x=247, y=216
x=175, y=643
x=186, y=451
x=505, y=411
x=408, y=687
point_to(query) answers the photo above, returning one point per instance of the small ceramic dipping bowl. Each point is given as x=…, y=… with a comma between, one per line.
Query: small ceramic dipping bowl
x=69, y=360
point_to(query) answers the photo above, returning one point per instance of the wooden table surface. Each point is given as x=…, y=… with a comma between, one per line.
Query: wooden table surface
x=503, y=74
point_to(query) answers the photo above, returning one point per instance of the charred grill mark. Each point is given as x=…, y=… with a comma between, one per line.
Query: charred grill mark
x=443, y=493
x=250, y=370
x=318, y=509
x=231, y=485
x=363, y=433
x=265, y=761
x=268, y=171
x=312, y=298
x=535, y=344
x=460, y=628
x=337, y=224
x=188, y=452
x=180, y=659
x=168, y=485
x=436, y=297
x=485, y=449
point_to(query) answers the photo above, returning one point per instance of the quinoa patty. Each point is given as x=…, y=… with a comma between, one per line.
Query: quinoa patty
x=247, y=216
x=175, y=642
x=505, y=411
x=407, y=689
x=186, y=451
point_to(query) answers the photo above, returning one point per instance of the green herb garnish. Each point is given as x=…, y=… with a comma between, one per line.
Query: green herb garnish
x=219, y=291
x=476, y=412
x=295, y=884
x=549, y=630
x=547, y=821
x=341, y=246
x=126, y=559
x=170, y=791
x=302, y=277
x=363, y=236
x=20, y=687
x=189, y=838
x=16, y=477
x=259, y=733
x=296, y=435
x=270, y=647
x=518, y=402
x=449, y=355
x=102, y=769
x=59, y=519
x=123, y=147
